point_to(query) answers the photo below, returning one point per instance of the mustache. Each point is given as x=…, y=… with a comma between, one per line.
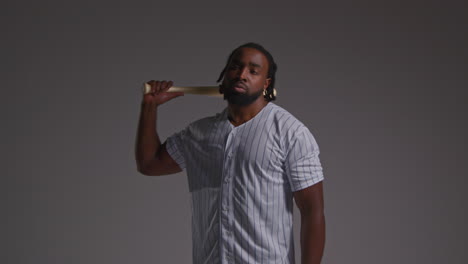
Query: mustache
x=231, y=84
x=239, y=84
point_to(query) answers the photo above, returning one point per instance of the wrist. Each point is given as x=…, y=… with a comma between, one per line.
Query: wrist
x=148, y=106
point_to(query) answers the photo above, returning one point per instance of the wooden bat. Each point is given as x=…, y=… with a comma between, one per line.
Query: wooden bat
x=201, y=90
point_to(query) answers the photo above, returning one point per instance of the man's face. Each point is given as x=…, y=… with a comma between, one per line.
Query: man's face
x=245, y=77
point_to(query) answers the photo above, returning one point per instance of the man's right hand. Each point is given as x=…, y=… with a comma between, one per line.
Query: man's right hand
x=158, y=94
x=151, y=156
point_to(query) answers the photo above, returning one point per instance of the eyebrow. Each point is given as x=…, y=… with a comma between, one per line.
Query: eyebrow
x=255, y=65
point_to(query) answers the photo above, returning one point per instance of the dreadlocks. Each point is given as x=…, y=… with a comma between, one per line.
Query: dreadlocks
x=272, y=67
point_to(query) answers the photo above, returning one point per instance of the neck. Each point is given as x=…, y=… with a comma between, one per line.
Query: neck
x=238, y=115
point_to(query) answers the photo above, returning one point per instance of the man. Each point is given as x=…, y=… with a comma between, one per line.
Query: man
x=244, y=167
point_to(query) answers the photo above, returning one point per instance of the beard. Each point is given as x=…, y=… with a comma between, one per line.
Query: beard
x=241, y=99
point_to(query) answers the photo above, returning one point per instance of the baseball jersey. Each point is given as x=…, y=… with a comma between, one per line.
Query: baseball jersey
x=242, y=180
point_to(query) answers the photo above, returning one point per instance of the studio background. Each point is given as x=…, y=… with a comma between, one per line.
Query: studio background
x=380, y=84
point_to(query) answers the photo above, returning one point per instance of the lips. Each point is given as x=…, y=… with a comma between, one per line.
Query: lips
x=239, y=87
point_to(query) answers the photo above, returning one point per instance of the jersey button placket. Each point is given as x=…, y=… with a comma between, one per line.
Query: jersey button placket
x=225, y=199
x=226, y=221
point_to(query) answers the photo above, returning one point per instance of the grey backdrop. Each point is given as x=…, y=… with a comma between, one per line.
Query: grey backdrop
x=381, y=85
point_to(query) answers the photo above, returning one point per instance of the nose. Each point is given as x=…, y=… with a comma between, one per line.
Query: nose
x=242, y=74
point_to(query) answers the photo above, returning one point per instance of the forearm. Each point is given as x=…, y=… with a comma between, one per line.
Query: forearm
x=312, y=237
x=147, y=142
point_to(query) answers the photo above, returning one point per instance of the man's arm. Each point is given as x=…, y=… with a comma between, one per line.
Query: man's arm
x=151, y=156
x=310, y=204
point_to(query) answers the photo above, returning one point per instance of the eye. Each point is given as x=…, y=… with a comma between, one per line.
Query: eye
x=253, y=72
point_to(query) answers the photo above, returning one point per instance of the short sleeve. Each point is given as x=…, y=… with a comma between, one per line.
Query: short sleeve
x=175, y=146
x=303, y=165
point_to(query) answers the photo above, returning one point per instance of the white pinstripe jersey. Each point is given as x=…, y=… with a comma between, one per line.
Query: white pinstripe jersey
x=241, y=181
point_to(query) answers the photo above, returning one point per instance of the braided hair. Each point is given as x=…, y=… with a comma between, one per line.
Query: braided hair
x=272, y=67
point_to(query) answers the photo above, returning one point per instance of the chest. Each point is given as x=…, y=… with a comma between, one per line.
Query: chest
x=249, y=153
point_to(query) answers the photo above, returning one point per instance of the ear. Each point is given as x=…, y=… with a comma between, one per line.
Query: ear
x=267, y=83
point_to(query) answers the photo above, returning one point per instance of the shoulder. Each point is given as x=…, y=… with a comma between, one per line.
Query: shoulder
x=288, y=127
x=202, y=126
x=196, y=132
x=208, y=121
x=285, y=122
